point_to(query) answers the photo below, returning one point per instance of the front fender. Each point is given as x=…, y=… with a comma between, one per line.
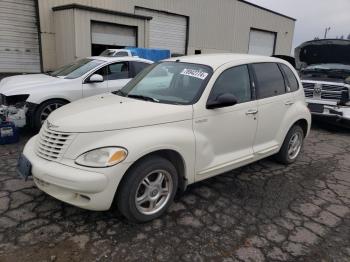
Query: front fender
x=142, y=141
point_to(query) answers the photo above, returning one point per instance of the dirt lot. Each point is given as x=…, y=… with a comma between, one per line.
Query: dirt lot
x=262, y=212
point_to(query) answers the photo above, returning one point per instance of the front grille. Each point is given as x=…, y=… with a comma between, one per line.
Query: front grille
x=51, y=145
x=330, y=92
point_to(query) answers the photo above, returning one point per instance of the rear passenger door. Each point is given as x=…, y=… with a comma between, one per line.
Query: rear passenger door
x=225, y=136
x=274, y=101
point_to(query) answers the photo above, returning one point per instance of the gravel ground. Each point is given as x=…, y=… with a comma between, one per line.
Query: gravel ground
x=262, y=212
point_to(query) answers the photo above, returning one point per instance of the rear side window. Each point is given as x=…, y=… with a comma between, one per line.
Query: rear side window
x=292, y=80
x=269, y=79
x=235, y=81
x=138, y=67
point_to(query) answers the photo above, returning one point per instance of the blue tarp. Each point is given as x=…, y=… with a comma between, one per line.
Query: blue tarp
x=152, y=54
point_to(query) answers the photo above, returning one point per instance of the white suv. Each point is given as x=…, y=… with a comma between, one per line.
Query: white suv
x=41, y=94
x=178, y=122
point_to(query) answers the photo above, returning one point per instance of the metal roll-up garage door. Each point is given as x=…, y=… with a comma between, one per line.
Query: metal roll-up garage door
x=112, y=35
x=19, y=43
x=168, y=31
x=262, y=42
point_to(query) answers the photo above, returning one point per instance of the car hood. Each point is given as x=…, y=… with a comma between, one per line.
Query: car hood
x=323, y=52
x=24, y=84
x=112, y=112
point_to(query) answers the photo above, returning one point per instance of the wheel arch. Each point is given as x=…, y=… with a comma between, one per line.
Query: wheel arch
x=34, y=111
x=303, y=124
x=172, y=156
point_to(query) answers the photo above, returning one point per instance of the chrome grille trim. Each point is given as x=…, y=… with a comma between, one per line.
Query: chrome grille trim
x=330, y=92
x=51, y=145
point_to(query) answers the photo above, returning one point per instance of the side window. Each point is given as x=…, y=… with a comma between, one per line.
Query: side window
x=269, y=79
x=292, y=80
x=138, y=67
x=118, y=71
x=235, y=81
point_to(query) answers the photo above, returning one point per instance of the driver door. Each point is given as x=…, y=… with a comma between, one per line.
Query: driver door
x=225, y=136
x=118, y=75
x=90, y=89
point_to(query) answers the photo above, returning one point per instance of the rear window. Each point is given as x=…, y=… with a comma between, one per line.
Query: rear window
x=270, y=80
x=292, y=80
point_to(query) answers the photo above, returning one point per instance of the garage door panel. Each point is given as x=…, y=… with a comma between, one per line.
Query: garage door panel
x=19, y=44
x=167, y=31
x=262, y=42
x=110, y=34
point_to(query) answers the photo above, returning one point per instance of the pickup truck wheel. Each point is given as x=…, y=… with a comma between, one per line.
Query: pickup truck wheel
x=148, y=189
x=292, y=145
x=44, y=110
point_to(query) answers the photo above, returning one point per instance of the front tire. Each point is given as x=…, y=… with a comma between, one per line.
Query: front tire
x=292, y=145
x=44, y=110
x=148, y=189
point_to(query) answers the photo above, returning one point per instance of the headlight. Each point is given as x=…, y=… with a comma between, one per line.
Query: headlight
x=102, y=157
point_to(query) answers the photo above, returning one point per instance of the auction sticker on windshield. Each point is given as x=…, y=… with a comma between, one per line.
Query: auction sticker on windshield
x=194, y=73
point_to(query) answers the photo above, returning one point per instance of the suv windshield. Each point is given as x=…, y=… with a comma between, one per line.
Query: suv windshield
x=77, y=68
x=169, y=82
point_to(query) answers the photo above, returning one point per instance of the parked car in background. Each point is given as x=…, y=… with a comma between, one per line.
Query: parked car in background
x=153, y=54
x=116, y=53
x=178, y=122
x=41, y=94
x=325, y=73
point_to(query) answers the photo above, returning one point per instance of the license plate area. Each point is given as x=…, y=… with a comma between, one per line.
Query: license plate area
x=316, y=108
x=24, y=167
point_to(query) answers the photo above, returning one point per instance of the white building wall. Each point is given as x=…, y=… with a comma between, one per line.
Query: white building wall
x=214, y=26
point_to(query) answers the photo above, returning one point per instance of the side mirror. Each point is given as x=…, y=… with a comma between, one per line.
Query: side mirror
x=95, y=78
x=224, y=100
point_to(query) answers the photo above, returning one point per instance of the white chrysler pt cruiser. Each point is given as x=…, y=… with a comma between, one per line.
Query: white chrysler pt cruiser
x=178, y=122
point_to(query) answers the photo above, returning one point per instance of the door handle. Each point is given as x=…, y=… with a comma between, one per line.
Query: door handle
x=252, y=112
x=289, y=103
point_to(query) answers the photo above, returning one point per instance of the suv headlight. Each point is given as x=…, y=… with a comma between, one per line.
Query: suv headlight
x=102, y=157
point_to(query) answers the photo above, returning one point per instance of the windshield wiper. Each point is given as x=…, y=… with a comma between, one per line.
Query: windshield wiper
x=119, y=93
x=146, y=98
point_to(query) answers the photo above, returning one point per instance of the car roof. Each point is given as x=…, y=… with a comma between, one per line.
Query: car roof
x=217, y=60
x=120, y=59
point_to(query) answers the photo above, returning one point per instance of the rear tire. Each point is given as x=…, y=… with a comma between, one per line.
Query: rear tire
x=291, y=146
x=147, y=190
x=44, y=110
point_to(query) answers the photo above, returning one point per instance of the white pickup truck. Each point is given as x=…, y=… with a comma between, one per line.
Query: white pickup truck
x=325, y=74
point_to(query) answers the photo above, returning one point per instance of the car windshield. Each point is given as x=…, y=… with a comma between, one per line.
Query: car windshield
x=169, y=82
x=77, y=68
x=316, y=67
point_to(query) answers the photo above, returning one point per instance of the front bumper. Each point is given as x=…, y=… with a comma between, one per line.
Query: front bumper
x=330, y=111
x=87, y=189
